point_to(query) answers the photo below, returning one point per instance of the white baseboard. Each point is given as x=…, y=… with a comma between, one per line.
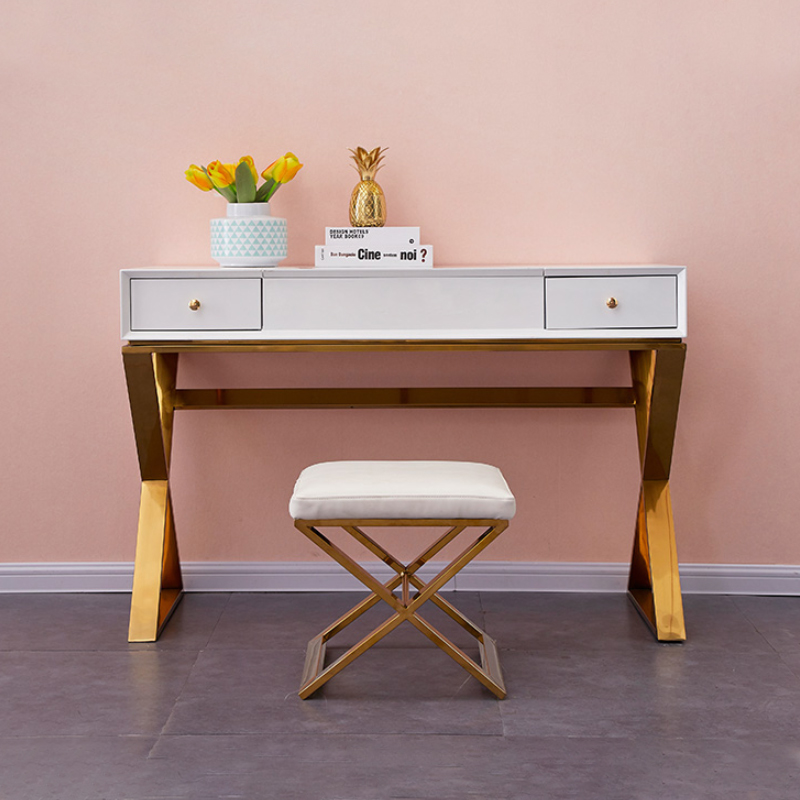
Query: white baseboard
x=484, y=576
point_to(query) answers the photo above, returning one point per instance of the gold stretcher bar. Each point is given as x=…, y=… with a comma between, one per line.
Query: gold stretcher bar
x=449, y=397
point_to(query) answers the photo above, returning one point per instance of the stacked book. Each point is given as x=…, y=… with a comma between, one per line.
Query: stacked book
x=373, y=247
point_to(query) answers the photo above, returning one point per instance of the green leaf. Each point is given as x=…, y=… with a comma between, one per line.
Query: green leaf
x=245, y=185
x=265, y=191
x=274, y=188
x=228, y=192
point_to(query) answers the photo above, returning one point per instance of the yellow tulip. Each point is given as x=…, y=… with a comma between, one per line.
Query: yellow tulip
x=221, y=174
x=198, y=177
x=267, y=173
x=250, y=163
x=282, y=170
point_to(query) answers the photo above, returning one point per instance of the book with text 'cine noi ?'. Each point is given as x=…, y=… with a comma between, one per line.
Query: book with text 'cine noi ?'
x=359, y=255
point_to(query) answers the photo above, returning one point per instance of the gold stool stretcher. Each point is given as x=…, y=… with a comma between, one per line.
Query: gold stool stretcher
x=413, y=594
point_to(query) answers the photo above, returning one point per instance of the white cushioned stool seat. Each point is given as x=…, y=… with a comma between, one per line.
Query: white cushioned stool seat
x=401, y=490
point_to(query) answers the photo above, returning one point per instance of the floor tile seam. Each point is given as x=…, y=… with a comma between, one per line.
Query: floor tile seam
x=219, y=618
x=322, y=736
x=752, y=622
x=103, y=650
x=482, y=610
x=64, y=736
x=343, y=645
x=119, y=649
x=175, y=702
x=758, y=738
x=726, y=738
x=615, y=651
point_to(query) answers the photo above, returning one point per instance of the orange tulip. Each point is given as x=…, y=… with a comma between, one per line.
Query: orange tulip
x=282, y=170
x=198, y=177
x=250, y=163
x=221, y=175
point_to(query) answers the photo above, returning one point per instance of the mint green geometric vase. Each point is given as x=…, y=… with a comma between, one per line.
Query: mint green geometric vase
x=248, y=237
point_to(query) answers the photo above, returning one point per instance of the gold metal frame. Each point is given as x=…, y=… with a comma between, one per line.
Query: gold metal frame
x=656, y=368
x=654, y=583
x=157, y=582
x=315, y=674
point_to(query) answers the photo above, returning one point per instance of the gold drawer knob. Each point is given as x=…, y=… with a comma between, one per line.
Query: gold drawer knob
x=194, y=305
x=612, y=302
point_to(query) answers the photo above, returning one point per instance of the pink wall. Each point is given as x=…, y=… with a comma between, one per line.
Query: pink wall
x=554, y=132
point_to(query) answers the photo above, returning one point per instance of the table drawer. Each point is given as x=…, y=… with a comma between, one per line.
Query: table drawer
x=608, y=302
x=165, y=304
x=428, y=302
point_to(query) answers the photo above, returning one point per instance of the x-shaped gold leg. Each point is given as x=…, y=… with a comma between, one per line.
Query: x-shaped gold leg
x=315, y=674
x=157, y=582
x=654, y=583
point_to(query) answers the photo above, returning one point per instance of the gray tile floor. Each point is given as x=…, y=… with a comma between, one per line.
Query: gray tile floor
x=596, y=708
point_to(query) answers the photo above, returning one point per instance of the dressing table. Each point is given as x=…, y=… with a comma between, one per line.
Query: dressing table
x=637, y=309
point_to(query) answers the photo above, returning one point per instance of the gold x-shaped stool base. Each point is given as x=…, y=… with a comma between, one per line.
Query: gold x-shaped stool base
x=315, y=673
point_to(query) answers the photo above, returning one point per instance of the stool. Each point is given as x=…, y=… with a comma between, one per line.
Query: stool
x=353, y=495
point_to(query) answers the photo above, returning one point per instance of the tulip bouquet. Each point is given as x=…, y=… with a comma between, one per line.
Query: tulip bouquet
x=237, y=182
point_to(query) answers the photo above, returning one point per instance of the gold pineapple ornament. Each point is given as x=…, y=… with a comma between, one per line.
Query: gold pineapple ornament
x=367, y=203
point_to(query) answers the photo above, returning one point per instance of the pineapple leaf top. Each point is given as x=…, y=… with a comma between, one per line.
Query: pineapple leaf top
x=367, y=162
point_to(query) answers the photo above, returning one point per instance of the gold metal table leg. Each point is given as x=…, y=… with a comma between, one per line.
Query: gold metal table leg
x=157, y=582
x=654, y=581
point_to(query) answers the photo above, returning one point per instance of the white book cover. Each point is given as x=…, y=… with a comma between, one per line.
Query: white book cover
x=373, y=237
x=350, y=256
